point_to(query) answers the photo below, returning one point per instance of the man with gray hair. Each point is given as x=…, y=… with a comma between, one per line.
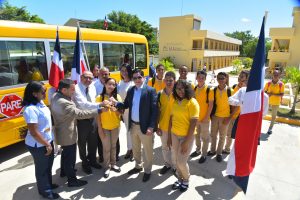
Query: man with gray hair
x=102, y=77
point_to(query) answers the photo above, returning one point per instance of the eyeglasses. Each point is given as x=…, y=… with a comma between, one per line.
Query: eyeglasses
x=137, y=77
x=88, y=78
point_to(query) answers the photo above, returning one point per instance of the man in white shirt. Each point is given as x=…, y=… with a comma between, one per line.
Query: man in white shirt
x=102, y=77
x=84, y=98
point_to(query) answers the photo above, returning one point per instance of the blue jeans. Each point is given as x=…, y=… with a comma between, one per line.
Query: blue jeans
x=43, y=167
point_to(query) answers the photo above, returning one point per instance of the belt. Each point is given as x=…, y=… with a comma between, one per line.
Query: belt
x=136, y=123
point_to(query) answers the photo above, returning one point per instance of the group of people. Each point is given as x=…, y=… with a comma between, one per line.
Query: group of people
x=89, y=114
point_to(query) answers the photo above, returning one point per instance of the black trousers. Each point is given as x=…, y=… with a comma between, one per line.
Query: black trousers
x=87, y=140
x=68, y=160
x=43, y=167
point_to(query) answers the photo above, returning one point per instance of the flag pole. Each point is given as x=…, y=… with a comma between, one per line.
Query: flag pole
x=87, y=60
x=266, y=15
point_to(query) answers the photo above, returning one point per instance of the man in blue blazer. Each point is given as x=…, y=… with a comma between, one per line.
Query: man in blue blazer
x=142, y=103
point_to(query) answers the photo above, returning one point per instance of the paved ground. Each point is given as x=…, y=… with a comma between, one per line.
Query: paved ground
x=276, y=175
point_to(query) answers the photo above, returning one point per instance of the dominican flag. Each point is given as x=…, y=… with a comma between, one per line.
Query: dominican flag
x=79, y=65
x=243, y=155
x=105, y=24
x=57, y=69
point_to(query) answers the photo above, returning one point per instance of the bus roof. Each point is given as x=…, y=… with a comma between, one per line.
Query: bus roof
x=16, y=29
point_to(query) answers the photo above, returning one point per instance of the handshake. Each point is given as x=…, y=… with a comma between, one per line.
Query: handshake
x=111, y=104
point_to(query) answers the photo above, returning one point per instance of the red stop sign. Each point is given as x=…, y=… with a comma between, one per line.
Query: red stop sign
x=11, y=105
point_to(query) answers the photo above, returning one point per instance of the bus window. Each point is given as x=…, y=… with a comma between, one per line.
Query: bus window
x=114, y=55
x=140, y=56
x=27, y=58
x=92, y=50
x=7, y=76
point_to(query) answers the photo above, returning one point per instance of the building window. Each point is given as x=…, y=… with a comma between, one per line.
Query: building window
x=197, y=44
x=206, y=44
x=196, y=24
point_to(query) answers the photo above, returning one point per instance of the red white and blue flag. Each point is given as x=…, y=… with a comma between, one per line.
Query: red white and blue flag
x=105, y=24
x=57, y=68
x=243, y=155
x=79, y=65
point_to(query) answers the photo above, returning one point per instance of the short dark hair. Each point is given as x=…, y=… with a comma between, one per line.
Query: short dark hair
x=65, y=83
x=171, y=74
x=246, y=72
x=31, y=87
x=160, y=65
x=222, y=74
x=137, y=70
x=128, y=69
x=201, y=72
x=188, y=90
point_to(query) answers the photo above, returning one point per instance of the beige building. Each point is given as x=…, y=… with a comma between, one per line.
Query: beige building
x=285, y=50
x=83, y=23
x=181, y=39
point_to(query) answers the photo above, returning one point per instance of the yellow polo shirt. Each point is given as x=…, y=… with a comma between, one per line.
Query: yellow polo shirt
x=236, y=114
x=165, y=108
x=158, y=84
x=182, y=113
x=200, y=95
x=275, y=89
x=109, y=119
x=223, y=108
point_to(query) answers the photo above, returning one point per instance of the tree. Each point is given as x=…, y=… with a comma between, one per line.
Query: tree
x=293, y=76
x=13, y=13
x=121, y=21
x=237, y=65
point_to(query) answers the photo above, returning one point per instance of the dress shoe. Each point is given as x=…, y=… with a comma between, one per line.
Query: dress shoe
x=50, y=195
x=183, y=187
x=202, y=159
x=269, y=132
x=164, y=170
x=54, y=186
x=219, y=158
x=87, y=169
x=225, y=152
x=134, y=171
x=176, y=185
x=106, y=173
x=128, y=154
x=115, y=168
x=211, y=153
x=76, y=182
x=195, y=154
x=96, y=165
x=146, y=177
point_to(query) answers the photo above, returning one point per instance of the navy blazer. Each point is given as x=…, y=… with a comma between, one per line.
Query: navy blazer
x=148, y=107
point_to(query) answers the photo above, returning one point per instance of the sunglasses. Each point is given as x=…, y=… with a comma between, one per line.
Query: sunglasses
x=137, y=78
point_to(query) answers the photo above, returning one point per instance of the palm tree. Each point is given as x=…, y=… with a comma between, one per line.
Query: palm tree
x=293, y=76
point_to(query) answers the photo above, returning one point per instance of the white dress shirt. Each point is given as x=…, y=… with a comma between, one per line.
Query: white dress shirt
x=123, y=88
x=135, y=112
x=80, y=98
x=99, y=87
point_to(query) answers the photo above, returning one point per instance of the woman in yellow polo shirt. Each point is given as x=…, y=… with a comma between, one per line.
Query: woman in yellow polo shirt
x=183, y=120
x=109, y=127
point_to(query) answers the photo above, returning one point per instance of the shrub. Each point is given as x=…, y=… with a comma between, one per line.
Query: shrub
x=168, y=63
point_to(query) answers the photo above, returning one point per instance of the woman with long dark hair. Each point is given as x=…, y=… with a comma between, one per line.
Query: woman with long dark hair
x=183, y=120
x=109, y=127
x=39, y=138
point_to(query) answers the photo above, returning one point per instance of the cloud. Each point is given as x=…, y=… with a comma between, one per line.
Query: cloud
x=245, y=20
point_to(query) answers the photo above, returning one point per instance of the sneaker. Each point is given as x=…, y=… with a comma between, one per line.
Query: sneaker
x=176, y=185
x=106, y=173
x=219, y=158
x=164, y=170
x=195, y=154
x=134, y=171
x=76, y=182
x=225, y=152
x=269, y=132
x=202, y=159
x=184, y=187
x=115, y=168
x=211, y=153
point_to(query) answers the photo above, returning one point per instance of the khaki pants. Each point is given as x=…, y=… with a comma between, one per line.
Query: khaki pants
x=217, y=128
x=126, y=122
x=139, y=138
x=166, y=151
x=202, y=135
x=274, y=114
x=228, y=136
x=109, y=144
x=182, y=166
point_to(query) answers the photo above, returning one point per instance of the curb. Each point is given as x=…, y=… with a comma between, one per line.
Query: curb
x=283, y=120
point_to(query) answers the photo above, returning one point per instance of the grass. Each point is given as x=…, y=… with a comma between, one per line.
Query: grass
x=283, y=112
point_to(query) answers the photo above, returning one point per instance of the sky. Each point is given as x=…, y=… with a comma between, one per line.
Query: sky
x=217, y=15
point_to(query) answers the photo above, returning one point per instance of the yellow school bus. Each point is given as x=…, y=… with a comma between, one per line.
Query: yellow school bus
x=25, y=55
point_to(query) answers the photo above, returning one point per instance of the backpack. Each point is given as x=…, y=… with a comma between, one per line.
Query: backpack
x=234, y=86
x=207, y=92
x=269, y=83
x=213, y=111
x=158, y=98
